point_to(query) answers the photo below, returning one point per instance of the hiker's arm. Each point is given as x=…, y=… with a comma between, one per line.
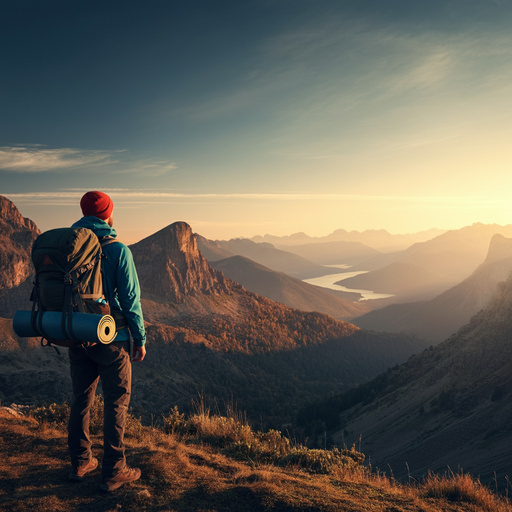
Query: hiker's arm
x=128, y=293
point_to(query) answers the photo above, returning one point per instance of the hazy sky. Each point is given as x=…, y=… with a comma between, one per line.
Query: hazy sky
x=267, y=116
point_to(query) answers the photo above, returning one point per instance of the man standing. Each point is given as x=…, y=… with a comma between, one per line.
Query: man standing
x=110, y=362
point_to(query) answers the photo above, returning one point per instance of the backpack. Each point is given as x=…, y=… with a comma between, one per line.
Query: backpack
x=68, y=279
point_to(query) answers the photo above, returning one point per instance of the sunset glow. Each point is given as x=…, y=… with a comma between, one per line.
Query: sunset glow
x=245, y=118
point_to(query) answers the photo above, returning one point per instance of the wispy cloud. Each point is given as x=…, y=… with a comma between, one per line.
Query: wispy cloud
x=33, y=158
x=65, y=197
x=36, y=158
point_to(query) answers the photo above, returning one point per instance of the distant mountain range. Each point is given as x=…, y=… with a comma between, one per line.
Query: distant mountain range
x=442, y=316
x=448, y=407
x=456, y=253
x=378, y=239
x=333, y=253
x=206, y=335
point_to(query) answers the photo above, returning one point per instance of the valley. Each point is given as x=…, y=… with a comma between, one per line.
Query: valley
x=318, y=362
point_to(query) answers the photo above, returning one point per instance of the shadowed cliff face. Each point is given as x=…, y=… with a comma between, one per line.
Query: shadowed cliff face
x=17, y=234
x=170, y=266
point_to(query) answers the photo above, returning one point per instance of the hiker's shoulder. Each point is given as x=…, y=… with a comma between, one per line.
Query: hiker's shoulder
x=110, y=245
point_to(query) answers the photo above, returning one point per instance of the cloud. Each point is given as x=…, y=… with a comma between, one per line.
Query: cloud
x=36, y=158
x=33, y=158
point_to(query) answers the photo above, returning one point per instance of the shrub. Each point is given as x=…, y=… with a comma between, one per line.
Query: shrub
x=460, y=488
x=323, y=461
x=175, y=422
x=56, y=415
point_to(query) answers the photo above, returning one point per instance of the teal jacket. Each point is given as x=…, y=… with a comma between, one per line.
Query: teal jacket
x=120, y=281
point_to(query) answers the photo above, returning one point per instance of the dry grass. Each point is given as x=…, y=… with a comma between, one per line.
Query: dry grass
x=201, y=467
x=462, y=488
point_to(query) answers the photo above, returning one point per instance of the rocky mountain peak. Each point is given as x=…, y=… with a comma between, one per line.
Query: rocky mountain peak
x=500, y=248
x=171, y=266
x=17, y=234
x=16, y=227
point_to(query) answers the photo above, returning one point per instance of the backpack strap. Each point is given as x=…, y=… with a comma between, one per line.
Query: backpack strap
x=36, y=317
x=106, y=240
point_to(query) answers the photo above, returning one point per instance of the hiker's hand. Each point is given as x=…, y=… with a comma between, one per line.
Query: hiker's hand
x=139, y=353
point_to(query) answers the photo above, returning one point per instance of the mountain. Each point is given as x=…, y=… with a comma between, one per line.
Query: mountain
x=264, y=254
x=443, y=315
x=171, y=267
x=378, y=239
x=212, y=250
x=208, y=335
x=17, y=234
x=456, y=253
x=332, y=253
x=449, y=406
x=288, y=290
x=405, y=280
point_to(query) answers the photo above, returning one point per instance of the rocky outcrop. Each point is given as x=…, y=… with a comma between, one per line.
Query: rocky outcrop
x=17, y=234
x=171, y=267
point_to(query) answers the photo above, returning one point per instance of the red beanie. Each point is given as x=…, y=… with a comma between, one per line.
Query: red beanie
x=97, y=204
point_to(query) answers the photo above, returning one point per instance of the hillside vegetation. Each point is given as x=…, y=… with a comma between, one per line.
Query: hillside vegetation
x=448, y=406
x=212, y=463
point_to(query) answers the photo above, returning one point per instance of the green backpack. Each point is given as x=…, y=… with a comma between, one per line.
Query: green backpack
x=68, y=278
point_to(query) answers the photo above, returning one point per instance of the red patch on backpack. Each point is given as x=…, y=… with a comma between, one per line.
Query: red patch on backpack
x=47, y=260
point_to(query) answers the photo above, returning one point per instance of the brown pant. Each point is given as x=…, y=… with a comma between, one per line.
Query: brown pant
x=112, y=364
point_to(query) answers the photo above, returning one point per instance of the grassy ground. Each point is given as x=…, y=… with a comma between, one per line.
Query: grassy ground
x=210, y=464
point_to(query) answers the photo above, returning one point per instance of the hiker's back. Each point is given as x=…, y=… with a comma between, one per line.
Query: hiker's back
x=68, y=271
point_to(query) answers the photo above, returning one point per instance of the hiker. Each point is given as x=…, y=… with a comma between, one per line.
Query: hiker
x=110, y=363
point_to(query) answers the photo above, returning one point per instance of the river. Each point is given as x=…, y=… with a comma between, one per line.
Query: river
x=330, y=280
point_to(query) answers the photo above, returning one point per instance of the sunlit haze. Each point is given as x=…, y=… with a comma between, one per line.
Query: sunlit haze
x=254, y=117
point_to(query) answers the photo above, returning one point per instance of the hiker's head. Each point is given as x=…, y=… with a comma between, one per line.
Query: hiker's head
x=98, y=204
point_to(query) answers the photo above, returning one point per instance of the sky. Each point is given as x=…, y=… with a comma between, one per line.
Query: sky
x=259, y=116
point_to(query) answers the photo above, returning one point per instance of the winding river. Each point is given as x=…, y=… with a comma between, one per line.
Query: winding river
x=330, y=280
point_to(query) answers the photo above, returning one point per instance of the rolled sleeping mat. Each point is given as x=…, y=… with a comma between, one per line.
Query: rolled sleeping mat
x=86, y=327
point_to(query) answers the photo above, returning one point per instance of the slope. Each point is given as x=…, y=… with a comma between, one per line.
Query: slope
x=265, y=254
x=440, y=317
x=288, y=290
x=206, y=470
x=448, y=406
x=405, y=280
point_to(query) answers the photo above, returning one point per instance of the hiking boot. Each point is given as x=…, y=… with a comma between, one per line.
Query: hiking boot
x=80, y=470
x=125, y=476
